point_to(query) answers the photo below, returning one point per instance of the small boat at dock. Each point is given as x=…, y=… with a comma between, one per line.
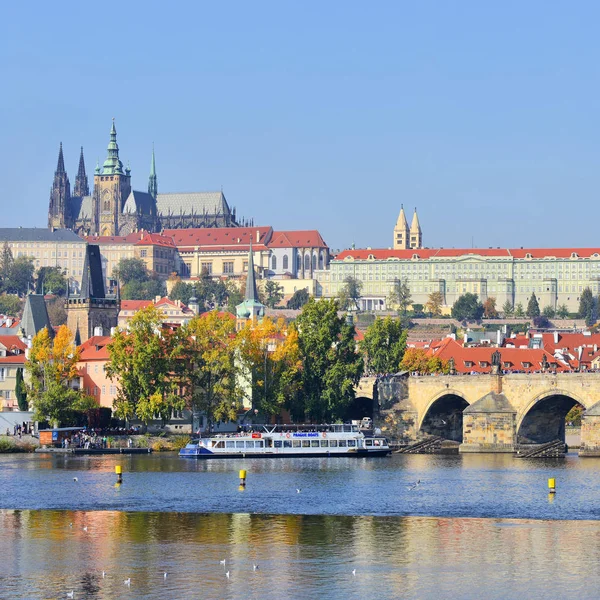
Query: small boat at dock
x=281, y=441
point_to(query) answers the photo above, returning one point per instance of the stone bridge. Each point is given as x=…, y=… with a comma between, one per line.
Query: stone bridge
x=488, y=413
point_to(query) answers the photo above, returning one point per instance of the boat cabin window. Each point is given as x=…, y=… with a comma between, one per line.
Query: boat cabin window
x=277, y=443
x=368, y=442
x=324, y=444
x=230, y=444
x=239, y=444
x=333, y=443
x=219, y=445
x=314, y=443
x=306, y=443
x=287, y=443
x=249, y=444
x=342, y=443
x=296, y=443
x=259, y=444
x=351, y=443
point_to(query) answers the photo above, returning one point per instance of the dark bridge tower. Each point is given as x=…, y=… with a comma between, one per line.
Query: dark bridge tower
x=60, y=197
x=81, y=181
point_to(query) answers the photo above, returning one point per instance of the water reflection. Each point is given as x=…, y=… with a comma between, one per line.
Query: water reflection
x=48, y=553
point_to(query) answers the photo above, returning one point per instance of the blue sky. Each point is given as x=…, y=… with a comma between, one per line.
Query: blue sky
x=319, y=115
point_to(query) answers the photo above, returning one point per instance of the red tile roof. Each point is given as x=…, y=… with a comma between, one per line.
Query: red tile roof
x=424, y=253
x=15, y=349
x=135, y=304
x=139, y=238
x=310, y=238
x=221, y=238
x=95, y=348
x=479, y=359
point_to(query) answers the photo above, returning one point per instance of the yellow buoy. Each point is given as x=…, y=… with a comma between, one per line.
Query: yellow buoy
x=119, y=472
x=242, y=477
x=552, y=485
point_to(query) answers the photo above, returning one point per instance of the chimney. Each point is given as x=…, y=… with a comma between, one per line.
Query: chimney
x=257, y=236
x=497, y=384
x=156, y=299
x=556, y=337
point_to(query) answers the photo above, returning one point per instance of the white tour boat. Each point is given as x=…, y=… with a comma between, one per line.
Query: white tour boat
x=289, y=441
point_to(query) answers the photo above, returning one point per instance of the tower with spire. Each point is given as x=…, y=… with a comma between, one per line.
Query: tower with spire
x=112, y=185
x=81, y=188
x=416, y=235
x=401, y=231
x=251, y=309
x=152, y=181
x=60, y=196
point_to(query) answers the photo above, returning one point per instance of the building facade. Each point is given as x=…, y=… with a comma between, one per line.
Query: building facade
x=115, y=208
x=557, y=276
x=59, y=248
x=12, y=358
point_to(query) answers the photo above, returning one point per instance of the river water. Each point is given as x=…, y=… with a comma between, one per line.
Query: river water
x=476, y=526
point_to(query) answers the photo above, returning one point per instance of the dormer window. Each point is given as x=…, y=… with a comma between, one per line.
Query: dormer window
x=526, y=365
x=507, y=364
x=483, y=363
x=468, y=363
x=528, y=255
x=574, y=255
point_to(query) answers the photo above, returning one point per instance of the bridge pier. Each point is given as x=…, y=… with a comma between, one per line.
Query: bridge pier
x=590, y=432
x=490, y=424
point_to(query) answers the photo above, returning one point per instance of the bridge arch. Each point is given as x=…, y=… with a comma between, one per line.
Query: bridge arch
x=543, y=418
x=444, y=415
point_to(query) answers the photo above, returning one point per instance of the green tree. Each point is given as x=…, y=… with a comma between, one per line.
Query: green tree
x=52, y=371
x=331, y=366
x=273, y=293
x=51, y=280
x=299, y=299
x=182, y=291
x=206, y=367
x=587, y=307
x=400, y=295
x=508, y=309
x=6, y=263
x=489, y=308
x=142, y=361
x=562, y=312
x=533, y=308
x=56, y=311
x=270, y=361
x=467, y=308
x=10, y=305
x=548, y=312
x=142, y=290
x=21, y=391
x=20, y=277
x=418, y=310
x=350, y=294
x=519, y=312
x=131, y=269
x=435, y=301
x=384, y=345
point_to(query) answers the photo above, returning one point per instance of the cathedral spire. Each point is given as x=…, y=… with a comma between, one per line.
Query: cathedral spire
x=112, y=164
x=251, y=293
x=152, y=180
x=416, y=235
x=81, y=181
x=60, y=167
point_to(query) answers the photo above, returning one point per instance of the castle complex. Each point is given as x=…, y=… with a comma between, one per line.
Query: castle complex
x=115, y=208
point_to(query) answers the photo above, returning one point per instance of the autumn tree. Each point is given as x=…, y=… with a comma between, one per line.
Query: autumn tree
x=52, y=370
x=141, y=361
x=270, y=361
x=206, y=366
x=489, y=308
x=434, y=304
x=331, y=366
x=383, y=345
x=417, y=360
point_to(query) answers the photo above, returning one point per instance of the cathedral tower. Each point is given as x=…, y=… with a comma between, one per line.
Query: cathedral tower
x=152, y=181
x=112, y=186
x=401, y=232
x=60, y=196
x=416, y=235
x=81, y=188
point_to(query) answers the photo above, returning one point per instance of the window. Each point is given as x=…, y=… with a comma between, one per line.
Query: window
x=277, y=444
x=250, y=444
x=285, y=262
x=287, y=443
x=306, y=262
x=351, y=443
x=306, y=443
x=2, y=374
x=314, y=262
x=342, y=443
x=228, y=268
x=274, y=263
x=230, y=444
x=324, y=444
x=239, y=444
x=103, y=390
x=314, y=443
x=7, y=394
x=95, y=391
x=296, y=443
x=206, y=268
x=143, y=253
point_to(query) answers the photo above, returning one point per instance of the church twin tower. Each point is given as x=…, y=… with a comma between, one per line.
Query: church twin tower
x=406, y=238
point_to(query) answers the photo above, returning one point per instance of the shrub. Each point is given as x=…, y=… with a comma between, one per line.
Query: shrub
x=181, y=441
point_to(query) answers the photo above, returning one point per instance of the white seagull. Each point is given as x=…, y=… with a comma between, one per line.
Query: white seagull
x=127, y=581
x=222, y=562
x=255, y=567
x=71, y=594
x=165, y=575
x=298, y=490
x=354, y=572
x=414, y=485
x=227, y=574
x=75, y=479
x=85, y=528
x=103, y=574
